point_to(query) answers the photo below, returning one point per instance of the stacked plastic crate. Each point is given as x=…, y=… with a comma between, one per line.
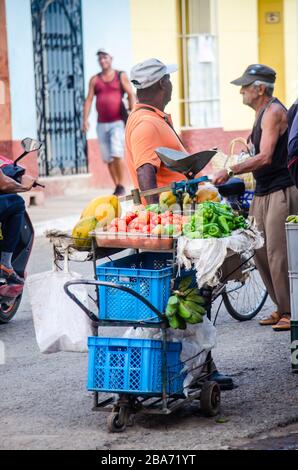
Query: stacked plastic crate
x=130, y=365
x=292, y=249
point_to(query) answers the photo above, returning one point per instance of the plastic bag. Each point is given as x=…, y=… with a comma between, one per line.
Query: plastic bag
x=207, y=192
x=60, y=325
x=197, y=340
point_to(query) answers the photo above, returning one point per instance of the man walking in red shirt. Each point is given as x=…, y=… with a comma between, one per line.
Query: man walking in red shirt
x=109, y=86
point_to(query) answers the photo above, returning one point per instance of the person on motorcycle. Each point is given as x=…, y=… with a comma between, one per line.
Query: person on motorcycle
x=12, y=210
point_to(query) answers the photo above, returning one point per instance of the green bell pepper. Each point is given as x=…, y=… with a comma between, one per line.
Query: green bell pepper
x=214, y=219
x=231, y=225
x=212, y=229
x=196, y=234
x=240, y=222
x=223, y=224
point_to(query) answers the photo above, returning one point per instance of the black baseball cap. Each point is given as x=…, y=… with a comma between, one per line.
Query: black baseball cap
x=256, y=72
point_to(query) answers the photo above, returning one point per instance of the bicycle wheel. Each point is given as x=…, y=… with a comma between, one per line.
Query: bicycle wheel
x=244, y=299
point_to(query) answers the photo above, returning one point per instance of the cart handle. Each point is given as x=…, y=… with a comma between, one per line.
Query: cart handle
x=89, y=282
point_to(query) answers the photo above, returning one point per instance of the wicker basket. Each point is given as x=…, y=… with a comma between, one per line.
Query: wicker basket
x=221, y=160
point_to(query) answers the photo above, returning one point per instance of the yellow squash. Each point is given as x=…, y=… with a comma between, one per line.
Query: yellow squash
x=81, y=232
x=104, y=214
x=90, y=209
x=167, y=198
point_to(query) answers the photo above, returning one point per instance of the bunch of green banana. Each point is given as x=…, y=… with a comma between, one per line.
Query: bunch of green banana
x=186, y=305
x=292, y=219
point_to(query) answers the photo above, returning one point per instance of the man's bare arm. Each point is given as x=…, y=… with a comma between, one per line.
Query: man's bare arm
x=147, y=180
x=128, y=89
x=273, y=127
x=10, y=186
x=88, y=104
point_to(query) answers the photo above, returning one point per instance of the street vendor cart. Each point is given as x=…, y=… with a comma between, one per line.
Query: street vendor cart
x=144, y=373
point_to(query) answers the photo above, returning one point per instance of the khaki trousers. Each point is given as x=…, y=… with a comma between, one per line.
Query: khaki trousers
x=270, y=212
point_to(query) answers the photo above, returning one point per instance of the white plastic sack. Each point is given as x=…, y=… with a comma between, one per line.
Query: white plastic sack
x=208, y=255
x=195, y=339
x=60, y=325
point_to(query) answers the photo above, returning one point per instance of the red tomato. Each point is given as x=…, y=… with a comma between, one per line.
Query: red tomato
x=153, y=222
x=112, y=229
x=146, y=229
x=166, y=219
x=144, y=217
x=122, y=227
x=168, y=213
x=129, y=216
x=133, y=225
x=141, y=226
x=177, y=228
x=115, y=222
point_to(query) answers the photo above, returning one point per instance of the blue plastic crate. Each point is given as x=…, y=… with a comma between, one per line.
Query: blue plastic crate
x=148, y=274
x=121, y=365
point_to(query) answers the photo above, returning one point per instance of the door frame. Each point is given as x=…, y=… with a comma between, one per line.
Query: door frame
x=73, y=11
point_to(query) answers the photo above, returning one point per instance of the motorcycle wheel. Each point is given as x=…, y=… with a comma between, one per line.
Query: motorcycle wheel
x=8, y=311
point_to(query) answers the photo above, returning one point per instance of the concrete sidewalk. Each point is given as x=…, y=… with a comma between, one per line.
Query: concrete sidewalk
x=62, y=212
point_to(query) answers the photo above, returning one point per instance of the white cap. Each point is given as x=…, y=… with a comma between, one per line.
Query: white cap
x=146, y=73
x=102, y=50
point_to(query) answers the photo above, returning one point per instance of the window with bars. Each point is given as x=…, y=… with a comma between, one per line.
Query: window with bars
x=200, y=101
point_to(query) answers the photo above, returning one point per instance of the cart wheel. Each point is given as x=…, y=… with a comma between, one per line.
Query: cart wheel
x=130, y=421
x=115, y=424
x=210, y=398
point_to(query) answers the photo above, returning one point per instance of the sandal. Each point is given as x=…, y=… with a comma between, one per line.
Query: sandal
x=273, y=319
x=9, y=275
x=284, y=324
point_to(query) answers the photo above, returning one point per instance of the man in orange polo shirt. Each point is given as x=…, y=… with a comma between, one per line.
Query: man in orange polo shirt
x=149, y=127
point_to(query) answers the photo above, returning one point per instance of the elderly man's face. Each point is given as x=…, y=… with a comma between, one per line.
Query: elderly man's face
x=105, y=61
x=250, y=94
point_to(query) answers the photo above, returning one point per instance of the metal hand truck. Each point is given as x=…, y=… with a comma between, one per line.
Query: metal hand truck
x=203, y=392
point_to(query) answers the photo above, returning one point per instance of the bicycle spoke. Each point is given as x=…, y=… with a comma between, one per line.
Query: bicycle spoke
x=246, y=298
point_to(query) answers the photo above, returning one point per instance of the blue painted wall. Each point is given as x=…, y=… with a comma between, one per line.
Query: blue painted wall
x=21, y=68
x=106, y=23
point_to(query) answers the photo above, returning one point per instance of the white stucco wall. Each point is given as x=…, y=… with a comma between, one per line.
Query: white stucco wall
x=21, y=68
x=105, y=24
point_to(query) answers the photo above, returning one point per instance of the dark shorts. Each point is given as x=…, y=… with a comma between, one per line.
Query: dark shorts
x=9, y=202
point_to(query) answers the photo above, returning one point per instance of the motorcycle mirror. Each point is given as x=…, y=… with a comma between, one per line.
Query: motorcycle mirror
x=30, y=145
